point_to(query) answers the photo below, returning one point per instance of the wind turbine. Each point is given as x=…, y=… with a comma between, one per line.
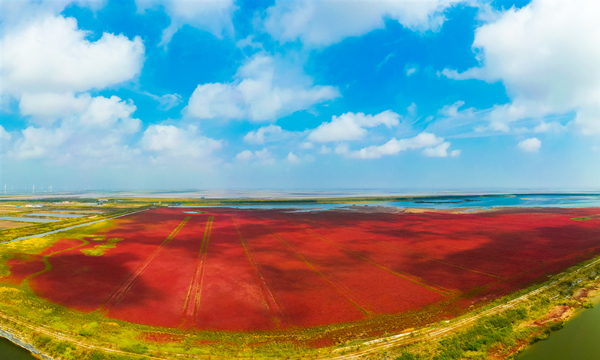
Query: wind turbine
x=34, y=189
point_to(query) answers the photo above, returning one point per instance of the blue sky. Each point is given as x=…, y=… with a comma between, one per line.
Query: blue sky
x=427, y=96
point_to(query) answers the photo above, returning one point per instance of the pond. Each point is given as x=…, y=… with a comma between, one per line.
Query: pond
x=578, y=340
x=8, y=350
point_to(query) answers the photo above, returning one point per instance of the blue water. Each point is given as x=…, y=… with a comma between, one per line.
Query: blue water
x=451, y=203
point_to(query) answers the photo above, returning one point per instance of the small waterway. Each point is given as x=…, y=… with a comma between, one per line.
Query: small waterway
x=8, y=350
x=577, y=340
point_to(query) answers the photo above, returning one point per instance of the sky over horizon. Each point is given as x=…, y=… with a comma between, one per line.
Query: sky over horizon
x=427, y=95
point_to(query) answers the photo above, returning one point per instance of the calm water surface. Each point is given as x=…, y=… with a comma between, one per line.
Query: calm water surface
x=8, y=350
x=578, y=340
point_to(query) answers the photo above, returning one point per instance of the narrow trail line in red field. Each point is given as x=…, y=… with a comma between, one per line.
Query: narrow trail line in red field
x=278, y=315
x=436, y=288
x=118, y=294
x=46, y=261
x=192, y=299
x=360, y=304
x=386, y=244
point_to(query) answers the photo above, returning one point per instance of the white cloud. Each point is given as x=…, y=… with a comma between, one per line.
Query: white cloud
x=306, y=145
x=82, y=110
x=455, y=153
x=170, y=141
x=48, y=107
x=258, y=136
x=452, y=111
x=351, y=126
x=244, y=155
x=546, y=54
x=410, y=71
x=42, y=142
x=53, y=55
x=4, y=136
x=322, y=23
x=17, y=13
x=263, y=156
x=432, y=145
x=438, y=151
x=265, y=89
x=530, y=145
x=293, y=158
x=212, y=16
x=553, y=126
x=88, y=130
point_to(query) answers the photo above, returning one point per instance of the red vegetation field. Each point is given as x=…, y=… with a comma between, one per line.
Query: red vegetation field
x=243, y=270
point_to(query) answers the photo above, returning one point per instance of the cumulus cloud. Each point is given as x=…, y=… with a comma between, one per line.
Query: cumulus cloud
x=452, y=111
x=530, y=145
x=83, y=110
x=263, y=156
x=17, y=13
x=212, y=16
x=322, y=23
x=546, y=54
x=4, y=136
x=439, y=151
x=553, y=126
x=93, y=129
x=411, y=70
x=258, y=136
x=53, y=55
x=432, y=145
x=291, y=157
x=244, y=155
x=169, y=141
x=351, y=126
x=265, y=89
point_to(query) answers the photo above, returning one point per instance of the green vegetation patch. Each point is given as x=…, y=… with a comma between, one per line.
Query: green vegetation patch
x=581, y=218
x=101, y=249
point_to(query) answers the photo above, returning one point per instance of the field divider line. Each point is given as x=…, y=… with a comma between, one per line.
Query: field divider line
x=278, y=316
x=434, y=333
x=201, y=276
x=193, y=292
x=438, y=260
x=544, y=264
x=436, y=288
x=122, y=290
x=365, y=307
x=432, y=259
